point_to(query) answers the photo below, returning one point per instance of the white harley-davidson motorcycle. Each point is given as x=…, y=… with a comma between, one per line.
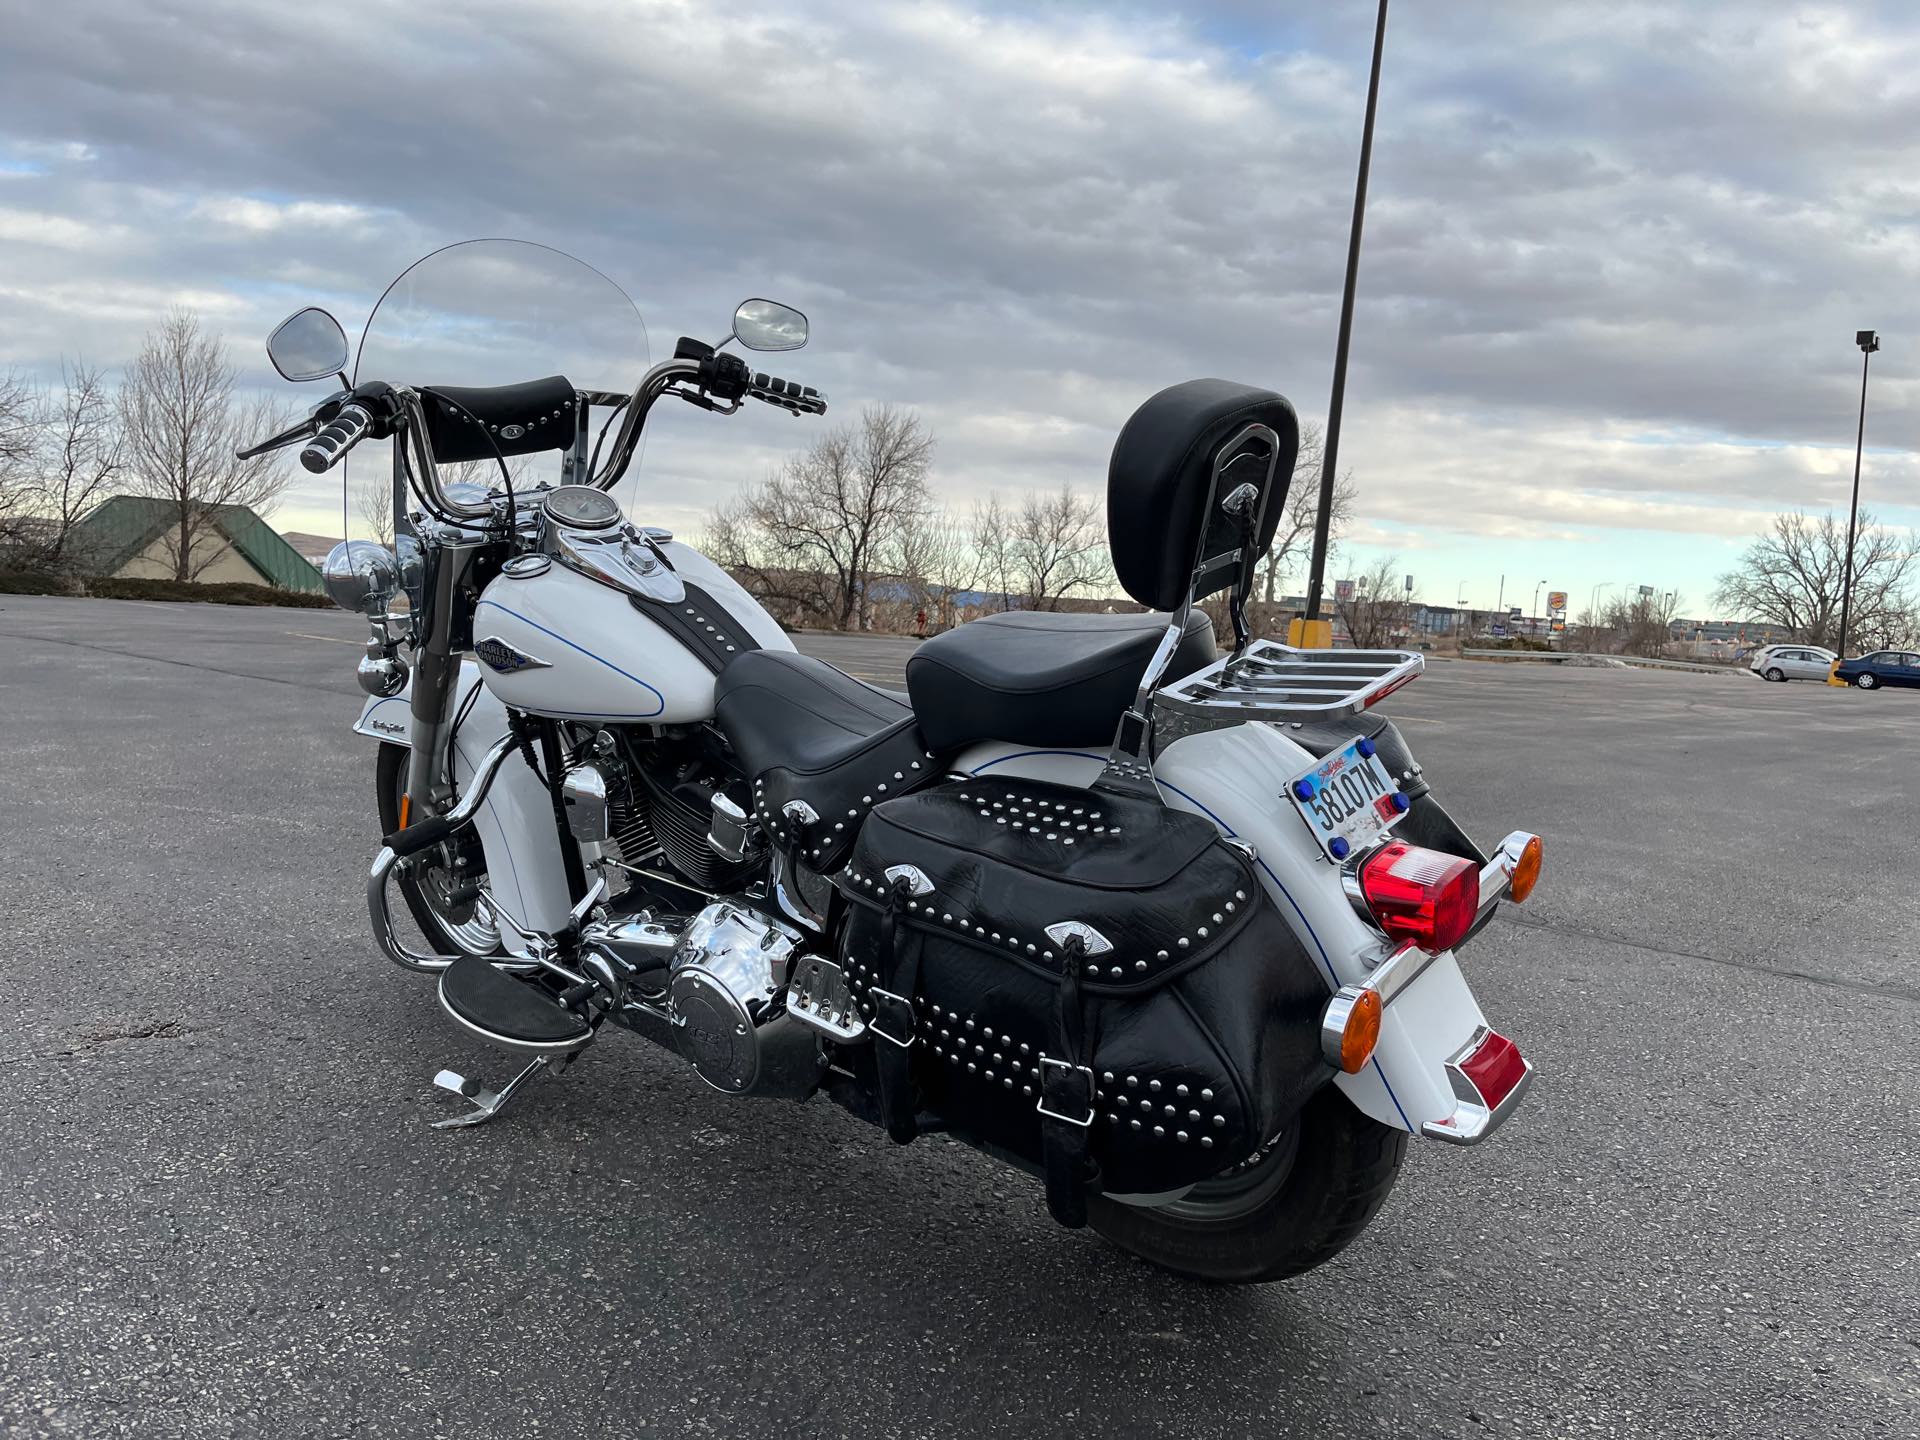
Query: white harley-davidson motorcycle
x=1174, y=930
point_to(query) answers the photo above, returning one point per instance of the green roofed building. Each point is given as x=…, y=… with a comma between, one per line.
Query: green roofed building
x=131, y=537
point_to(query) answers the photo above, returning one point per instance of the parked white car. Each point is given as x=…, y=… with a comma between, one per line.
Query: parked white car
x=1793, y=662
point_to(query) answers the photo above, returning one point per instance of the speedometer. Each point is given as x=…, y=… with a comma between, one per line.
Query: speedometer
x=581, y=507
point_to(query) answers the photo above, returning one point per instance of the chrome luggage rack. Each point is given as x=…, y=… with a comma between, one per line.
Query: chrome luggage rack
x=1271, y=681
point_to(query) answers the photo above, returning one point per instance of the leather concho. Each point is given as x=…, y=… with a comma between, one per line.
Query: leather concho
x=838, y=798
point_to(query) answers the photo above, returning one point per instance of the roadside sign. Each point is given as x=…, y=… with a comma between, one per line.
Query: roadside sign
x=1499, y=632
x=1559, y=626
x=1556, y=600
x=1646, y=592
x=1343, y=589
x=1409, y=584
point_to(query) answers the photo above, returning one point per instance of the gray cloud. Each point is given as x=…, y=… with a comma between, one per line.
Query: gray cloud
x=1615, y=254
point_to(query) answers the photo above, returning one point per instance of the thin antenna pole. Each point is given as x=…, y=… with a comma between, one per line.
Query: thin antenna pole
x=1330, y=452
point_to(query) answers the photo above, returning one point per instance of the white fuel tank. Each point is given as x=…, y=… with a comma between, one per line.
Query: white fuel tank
x=578, y=649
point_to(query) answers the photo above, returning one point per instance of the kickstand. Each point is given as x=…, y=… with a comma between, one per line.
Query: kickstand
x=487, y=1103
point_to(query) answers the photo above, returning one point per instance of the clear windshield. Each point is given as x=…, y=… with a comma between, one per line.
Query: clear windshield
x=496, y=312
x=492, y=312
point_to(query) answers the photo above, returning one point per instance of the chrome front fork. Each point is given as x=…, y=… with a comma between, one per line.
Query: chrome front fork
x=443, y=631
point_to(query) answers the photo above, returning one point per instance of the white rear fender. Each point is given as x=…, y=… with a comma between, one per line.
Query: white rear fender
x=525, y=868
x=1237, y=778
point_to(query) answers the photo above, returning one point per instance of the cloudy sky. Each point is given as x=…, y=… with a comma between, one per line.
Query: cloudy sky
x=1615, y=255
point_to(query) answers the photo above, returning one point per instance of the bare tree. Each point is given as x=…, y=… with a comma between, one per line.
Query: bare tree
x=830, y=515
x=1059, y=546
x=1645, y=621
x=375, y=505
x=1293, y=541
x=993, y=543
x=1379, y=610
x=18, y=434
x=1791, y=577
x=181, y=424
x=79, y=455
x=486, y=472
x=936, y=565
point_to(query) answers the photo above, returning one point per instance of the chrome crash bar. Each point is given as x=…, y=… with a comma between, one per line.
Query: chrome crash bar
x=384, y=863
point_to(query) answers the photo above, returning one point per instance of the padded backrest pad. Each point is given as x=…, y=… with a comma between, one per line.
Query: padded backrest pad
x=1162, y=473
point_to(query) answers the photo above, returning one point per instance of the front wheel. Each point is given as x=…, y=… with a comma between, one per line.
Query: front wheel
x=439, y=887
x=1866, y=680
x=1295, y=1205
x=1776, y=674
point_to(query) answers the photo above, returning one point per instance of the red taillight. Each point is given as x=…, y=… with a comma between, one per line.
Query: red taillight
x=1421, y=896
x=1494, y=1067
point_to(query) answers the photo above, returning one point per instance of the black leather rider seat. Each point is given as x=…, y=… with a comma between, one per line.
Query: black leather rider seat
x=1039, y=678
x=782, y=709
x=806, y=732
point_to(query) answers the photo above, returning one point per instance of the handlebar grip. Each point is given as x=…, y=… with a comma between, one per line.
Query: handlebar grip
x=787, y=394
x=324, y=451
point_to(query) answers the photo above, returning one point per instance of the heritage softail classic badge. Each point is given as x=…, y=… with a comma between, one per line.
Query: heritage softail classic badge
x=1047, y=902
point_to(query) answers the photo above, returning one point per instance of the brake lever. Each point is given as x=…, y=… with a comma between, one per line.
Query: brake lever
x=703, y=400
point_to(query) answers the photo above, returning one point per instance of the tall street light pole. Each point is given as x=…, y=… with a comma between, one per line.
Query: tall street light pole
x=1330, y=452
x=1868, y=342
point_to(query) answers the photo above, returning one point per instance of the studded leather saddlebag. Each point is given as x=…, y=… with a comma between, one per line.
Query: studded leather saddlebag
x=1090, y=981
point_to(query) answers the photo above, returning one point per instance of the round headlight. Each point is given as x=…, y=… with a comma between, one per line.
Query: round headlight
x=361, y=575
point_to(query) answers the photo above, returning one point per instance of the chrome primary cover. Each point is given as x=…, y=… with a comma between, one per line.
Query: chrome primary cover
x=726, y=984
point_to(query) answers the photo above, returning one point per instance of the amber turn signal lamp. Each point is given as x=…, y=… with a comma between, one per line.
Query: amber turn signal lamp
x=1351, y=1028
x=406, y=808
x=1526, y=870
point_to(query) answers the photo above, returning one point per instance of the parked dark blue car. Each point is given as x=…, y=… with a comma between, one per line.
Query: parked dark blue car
x=1883, y=667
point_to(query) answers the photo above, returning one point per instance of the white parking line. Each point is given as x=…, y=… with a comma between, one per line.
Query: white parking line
x=330, y=639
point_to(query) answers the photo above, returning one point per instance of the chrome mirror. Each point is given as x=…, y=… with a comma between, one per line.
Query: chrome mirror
x=308, y=345
x=769, y=325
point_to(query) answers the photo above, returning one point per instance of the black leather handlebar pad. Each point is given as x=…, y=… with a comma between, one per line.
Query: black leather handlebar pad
x=521, y=419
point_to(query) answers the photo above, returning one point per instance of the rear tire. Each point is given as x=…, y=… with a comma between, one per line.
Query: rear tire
x=450, y=930
x=1867, y=680
x=1317, y=1188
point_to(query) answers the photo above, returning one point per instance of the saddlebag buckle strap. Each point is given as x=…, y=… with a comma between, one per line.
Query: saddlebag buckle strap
x=1061, y=1087
x=891, y=1009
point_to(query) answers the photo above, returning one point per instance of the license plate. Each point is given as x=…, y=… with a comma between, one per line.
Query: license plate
x=1347, y=799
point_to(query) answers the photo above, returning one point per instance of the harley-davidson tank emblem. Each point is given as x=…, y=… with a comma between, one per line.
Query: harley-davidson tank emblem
x=499, y=656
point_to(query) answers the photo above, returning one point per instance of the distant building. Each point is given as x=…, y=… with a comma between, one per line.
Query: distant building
x=128, y=537
x=311, y=548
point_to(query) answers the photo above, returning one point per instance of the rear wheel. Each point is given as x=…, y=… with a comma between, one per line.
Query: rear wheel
x=1866, y=680
x=438, y=889
x=1295, y=1205
x=1775, y=674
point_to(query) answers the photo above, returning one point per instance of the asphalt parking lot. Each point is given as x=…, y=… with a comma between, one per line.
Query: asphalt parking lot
x=222, y=1212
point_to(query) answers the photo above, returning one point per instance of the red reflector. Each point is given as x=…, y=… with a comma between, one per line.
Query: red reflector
x=1494, y=1067
x=1420, y=895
